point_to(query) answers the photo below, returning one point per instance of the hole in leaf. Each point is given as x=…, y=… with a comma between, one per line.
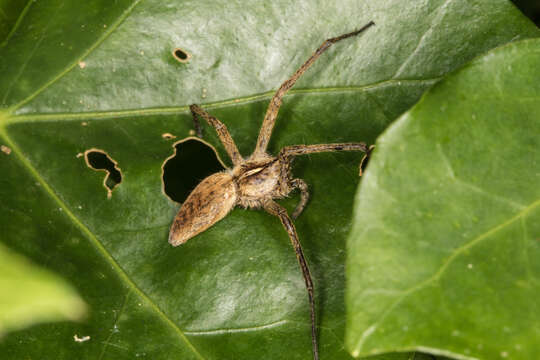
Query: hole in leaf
x=99, y=160
x=181, y=55
x=193, y=160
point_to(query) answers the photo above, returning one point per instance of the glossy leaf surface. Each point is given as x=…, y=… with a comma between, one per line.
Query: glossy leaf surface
x=444, y=253
x=100, y=74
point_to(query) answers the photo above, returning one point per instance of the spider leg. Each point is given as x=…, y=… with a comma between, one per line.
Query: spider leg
x=197, y=124
x=365, y=159
x=304, y=196
x=288, y=152
x=294, y=150
x=279, y=211
x=275, y=102
x=221, y=130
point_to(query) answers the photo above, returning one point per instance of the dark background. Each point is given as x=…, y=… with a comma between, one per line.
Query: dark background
x=531, y=8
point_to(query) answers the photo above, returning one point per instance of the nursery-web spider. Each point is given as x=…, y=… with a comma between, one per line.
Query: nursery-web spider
x=256, y=181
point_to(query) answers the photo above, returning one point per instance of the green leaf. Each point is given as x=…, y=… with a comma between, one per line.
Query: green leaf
x=30, y=295
x=444, y=252
x=100, y=74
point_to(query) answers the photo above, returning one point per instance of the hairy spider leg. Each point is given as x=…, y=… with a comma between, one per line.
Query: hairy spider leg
x=275, y=102
x=295, y=150
x=286, y=155
x=275, y=209
x=290, y=151
x=221, y=130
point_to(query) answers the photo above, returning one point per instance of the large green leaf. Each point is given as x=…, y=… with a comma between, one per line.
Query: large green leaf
x=444, y=252
x=32, y=295
x=100, y=74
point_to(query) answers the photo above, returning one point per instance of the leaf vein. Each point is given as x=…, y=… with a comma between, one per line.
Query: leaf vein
x=437, y=275
x=458, y=181
x=213, y=105
x=99, y=41
x=112, y=332
x=422, y=38
x=17, y=23
x=237, y=330
x=26, y=61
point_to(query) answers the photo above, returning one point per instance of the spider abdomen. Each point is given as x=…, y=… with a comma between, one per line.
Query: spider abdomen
x=208, y=203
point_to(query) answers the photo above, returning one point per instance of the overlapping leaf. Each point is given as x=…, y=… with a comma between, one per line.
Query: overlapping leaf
x=444, y=252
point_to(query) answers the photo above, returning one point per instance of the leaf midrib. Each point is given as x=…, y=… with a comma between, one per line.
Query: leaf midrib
x=10, y=118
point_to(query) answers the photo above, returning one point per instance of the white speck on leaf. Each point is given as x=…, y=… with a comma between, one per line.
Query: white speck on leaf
x=168, y=136
x=81, y=339
x=6, y=150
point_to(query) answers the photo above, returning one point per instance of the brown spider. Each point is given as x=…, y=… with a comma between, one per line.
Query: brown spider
x=256, y=181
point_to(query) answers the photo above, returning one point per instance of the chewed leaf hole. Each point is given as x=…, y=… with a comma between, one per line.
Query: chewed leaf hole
x=181, y=55
x=193, y=160
x=99, y=160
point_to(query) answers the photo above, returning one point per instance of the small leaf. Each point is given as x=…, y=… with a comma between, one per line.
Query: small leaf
x=31, y=295
x=444, y=253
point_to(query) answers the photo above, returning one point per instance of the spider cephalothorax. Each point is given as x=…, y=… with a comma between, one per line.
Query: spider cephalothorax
x=261, y=181
x=257, y=181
